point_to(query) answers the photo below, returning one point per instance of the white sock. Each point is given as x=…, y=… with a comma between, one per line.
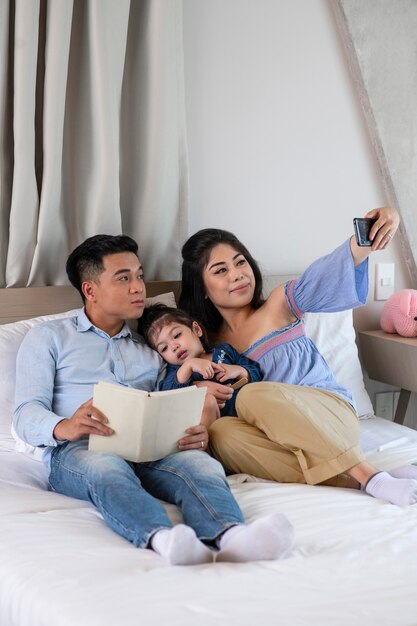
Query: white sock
x=401, y=491
x=266, y=539
x=180, y=546
x=405, y=471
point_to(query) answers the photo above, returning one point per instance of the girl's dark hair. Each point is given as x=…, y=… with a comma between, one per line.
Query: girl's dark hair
x=86, y=261
x=196, y=253
x=155, y=317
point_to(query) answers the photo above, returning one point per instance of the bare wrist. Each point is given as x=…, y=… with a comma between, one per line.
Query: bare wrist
x=57, y=433
x=245, y=374
x=183, y=374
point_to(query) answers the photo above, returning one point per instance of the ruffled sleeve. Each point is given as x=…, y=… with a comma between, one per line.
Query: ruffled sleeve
x=332, y=283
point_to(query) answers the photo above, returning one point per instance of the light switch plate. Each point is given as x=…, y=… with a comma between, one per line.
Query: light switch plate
x=384, y=280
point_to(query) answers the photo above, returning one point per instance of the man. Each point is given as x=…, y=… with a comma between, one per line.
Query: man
x=58, y=364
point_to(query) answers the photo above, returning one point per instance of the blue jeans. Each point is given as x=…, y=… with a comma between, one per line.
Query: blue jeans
x=125, y=493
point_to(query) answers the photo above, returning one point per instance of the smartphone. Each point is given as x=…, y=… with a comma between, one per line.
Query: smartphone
x=362, y=226
x=239, y=383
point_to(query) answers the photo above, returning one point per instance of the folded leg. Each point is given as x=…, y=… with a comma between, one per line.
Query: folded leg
x=288, y=433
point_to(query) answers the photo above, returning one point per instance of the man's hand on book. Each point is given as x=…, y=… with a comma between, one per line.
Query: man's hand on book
x=86, y=420
x=197, y=438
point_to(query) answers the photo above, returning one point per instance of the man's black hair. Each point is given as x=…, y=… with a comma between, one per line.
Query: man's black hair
x=86, y=261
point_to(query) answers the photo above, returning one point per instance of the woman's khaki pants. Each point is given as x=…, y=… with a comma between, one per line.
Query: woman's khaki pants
x=288, y=433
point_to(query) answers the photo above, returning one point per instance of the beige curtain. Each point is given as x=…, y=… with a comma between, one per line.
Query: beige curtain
x=92, y=132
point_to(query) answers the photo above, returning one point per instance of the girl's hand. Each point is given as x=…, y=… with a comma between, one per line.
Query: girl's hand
x=206, y=369
x=231, y=372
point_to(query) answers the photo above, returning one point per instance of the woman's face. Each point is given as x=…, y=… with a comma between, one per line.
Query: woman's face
x=228, y=278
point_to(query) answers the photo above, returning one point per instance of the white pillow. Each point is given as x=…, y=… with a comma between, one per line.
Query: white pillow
x=11, y=336
x=334, y=336
x=164, y=298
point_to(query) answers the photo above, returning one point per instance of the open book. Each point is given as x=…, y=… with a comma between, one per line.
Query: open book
x=147, y=425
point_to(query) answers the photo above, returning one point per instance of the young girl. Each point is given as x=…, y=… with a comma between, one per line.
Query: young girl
x=182, y=343
x=301, y=426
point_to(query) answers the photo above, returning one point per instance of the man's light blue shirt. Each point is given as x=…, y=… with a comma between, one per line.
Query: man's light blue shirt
x=58, y=364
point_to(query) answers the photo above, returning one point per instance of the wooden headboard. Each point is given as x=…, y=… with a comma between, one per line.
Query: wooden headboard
x=20, y=303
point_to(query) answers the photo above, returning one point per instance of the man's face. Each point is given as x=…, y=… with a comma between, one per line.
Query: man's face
x=118, y=293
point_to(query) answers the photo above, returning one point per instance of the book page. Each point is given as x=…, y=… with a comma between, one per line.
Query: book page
x=174, y=411
x=147, y=425
x=124, y=411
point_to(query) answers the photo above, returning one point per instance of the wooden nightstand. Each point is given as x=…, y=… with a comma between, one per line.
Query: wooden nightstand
x=391, y=359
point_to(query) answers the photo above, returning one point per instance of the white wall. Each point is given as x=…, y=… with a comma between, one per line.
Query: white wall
x=278, y=150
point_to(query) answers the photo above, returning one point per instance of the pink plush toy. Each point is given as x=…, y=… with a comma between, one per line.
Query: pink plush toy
x=399, y=314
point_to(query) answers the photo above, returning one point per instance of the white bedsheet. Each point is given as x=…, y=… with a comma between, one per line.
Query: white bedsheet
x=354, y=562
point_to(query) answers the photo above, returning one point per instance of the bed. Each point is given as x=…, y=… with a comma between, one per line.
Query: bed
x=353, y=560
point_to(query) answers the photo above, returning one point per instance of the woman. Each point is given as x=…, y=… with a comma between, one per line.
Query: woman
x=301, y=426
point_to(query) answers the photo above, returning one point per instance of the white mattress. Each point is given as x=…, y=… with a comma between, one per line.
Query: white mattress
x=354, y=562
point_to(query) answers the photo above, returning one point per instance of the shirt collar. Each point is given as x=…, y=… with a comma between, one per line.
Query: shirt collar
x=84, y=324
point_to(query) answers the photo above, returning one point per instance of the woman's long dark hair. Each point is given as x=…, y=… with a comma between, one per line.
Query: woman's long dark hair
x=196, y=253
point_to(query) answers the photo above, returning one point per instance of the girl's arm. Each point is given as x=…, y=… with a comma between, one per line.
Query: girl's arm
x=231, y=372
x=237, y=365
x=205, y=368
